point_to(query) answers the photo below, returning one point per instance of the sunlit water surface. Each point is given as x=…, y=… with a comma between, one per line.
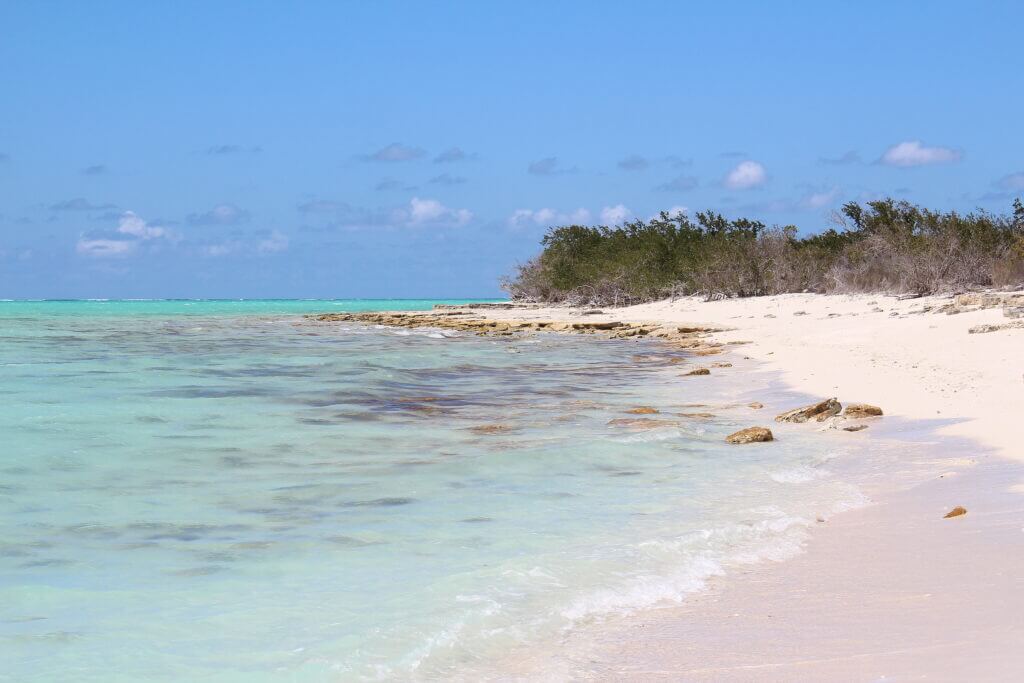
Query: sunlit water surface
x=221, y=491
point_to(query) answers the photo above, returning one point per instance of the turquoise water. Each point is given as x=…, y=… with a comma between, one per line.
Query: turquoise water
x=226, y=491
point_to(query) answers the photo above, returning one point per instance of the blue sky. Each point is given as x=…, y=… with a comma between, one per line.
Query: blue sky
x=390, y=149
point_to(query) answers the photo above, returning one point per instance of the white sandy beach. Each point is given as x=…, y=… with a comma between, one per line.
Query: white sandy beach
x=888, y=592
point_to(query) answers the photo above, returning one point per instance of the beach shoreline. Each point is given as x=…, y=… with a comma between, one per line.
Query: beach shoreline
x=889, y=590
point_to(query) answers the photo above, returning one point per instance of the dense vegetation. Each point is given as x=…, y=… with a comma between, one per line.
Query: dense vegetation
x=883, y=246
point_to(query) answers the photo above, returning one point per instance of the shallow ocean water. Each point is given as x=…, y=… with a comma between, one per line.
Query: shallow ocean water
x=221, y=491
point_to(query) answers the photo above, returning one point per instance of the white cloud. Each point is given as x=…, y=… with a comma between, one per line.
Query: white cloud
x=614, y=215
x=745, y=176
x=131, y=232
x=277, y=241
x=221, y=248
x=681, y=183
x=819, y=200
x=396, y=151
x=1012, y=182
x=549, y=166
x=452, y=155
x=915, y=153
x=521, y=218
x=101, y=248
x=131, y=224
x=430, y=212
x=222, y=214
x=672, y=212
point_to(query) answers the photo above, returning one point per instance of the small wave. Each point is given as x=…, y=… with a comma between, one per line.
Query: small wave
x=797, y=475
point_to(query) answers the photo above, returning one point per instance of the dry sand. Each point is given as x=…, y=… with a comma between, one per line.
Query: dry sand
x=889, y=592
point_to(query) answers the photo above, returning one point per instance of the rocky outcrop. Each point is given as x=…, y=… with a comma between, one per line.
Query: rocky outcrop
x=981, y=329
x=817, y=411
x=468, y=319
x=751, y=435
x=860, y=410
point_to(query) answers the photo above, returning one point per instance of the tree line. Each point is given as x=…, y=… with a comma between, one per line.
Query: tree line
x=884, y=246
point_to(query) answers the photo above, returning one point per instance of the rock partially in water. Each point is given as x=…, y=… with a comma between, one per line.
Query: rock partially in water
x=640, y=423
x=756, y=405
x=491, y=429
x=955, y=512
x=854, y=428
x=859, y=410
x=751, y=435
x=696, y=371
x=643, y=410
x=820, y=411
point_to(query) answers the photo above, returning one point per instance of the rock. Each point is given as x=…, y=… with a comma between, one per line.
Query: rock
x=611, y=325
x=859, y=410
x=981, y=329
x=702, y=416
x=819, y=411
x=1014, y=312
x=707, y=351
x=756, y=405
x=491, y=429
x=690, y=329
x=721, y=365
x=697, y=371
x=955, y=512
x=800, y=313
x=643, y=410
x=750, y=435
x=854, y=428
x=640, y=423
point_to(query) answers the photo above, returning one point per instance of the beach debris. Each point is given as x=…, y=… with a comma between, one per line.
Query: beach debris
x=751, y=435
x=859, y=410
x=696, y=371
x=643, y=410
x=756, y=405
x=820, y=411
x=955, y=512
x=491, y=429
x=854, y=428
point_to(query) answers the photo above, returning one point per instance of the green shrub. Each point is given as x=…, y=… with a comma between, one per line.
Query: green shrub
x=883, y=246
